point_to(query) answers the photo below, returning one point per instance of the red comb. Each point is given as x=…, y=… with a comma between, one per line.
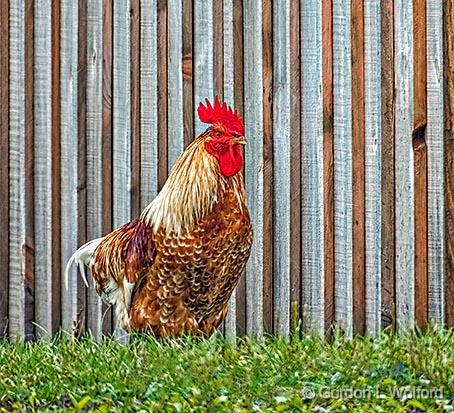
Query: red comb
x=222, y=114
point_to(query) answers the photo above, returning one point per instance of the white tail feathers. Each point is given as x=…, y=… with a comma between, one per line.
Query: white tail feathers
x=82, y=259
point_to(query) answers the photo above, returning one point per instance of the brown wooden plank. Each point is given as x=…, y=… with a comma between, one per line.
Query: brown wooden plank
x=388, y=222
x=267, y=50
x=187, y=67
x=135, y=106
x=420, y=161
x=239, y=105
x=358, y=182
x=29, y=171
x=448, y=22
x=328, y=137
x=162, y=91
x=4, y=164
x=82, y=165
x=107, y=131
x=56, y=172
x=295, y=166
x=218, y=48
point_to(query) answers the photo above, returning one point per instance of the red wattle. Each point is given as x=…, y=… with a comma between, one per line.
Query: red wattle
x=231, y=161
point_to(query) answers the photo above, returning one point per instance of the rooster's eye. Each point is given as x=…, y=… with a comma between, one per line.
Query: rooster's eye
x=217, y=134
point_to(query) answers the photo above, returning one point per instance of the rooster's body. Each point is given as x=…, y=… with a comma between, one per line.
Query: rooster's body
x=173, y=270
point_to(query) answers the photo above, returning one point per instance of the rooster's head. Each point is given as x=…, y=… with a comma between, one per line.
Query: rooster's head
x=224, y=138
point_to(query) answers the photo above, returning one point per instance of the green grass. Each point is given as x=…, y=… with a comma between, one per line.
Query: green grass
x=190, y=375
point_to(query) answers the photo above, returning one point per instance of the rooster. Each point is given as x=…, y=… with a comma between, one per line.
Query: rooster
x=172, y=270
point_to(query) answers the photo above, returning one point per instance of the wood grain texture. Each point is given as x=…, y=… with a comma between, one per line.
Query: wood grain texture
x=312, y=209
x=281, y=167
x=43, y=167
x=358, y=166
x=387, y=176
x=420, y=160
x=4, y=168
x=135, y=9
x=107, y=135
x=16, y=308
x=69, y=157
x=148, y=103
x=267, y=98
x=404, y=168
x=175, y=131
x=253, y=111
x=328, y=162
x=448, y=72
x=203, y=57
x=218, y=48
x=187, y=66
x=94, y=147
x=435, y=158
x=343, y=225
x=295, y=166
x=373, y=165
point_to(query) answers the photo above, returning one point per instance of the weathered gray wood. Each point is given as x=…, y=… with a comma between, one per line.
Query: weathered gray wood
x=405, y=236
x=203, y=56
x=435, y=157
x=175, y=135
x=94, y=150
x=373, y=170
x=43, y=167
x=281, y=166
x=69, y=156
x=230, y=320
x=148, y=102
x=121, y=179
x=16, y=308
x=343, y=165
x=312, y=253
x=253, y=110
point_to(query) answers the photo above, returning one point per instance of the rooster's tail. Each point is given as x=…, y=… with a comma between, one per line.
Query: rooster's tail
x=82, y=259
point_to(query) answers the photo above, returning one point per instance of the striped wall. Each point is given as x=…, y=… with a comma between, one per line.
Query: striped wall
x=348, y=108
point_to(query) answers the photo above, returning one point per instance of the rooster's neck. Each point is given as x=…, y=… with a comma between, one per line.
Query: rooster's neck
x=194, y=185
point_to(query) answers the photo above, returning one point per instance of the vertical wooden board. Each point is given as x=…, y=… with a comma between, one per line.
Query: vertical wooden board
x=16, y=308
x=94, y=185
x=43, y=167
x=448, y=75
x=218, y=48
x=175, y=134
x=420, y=159
x=161, y=52
x=343, y=165
x=121, y=158
x=29, y=249
x=107, y=134
x=373, y=164
x=295, y=165
x=203, y=56
x=148, y=103
x=69, y=157
x=404, y=179
x=328, y=163
x=188, y=96
x=435, y=156
x=312, y=190
x=267, y=99
x=135, y=8
x=254, y=169
x=228, y=92
x=358, y=166
x=387, y=176
x=4, y=168
x=281, y=166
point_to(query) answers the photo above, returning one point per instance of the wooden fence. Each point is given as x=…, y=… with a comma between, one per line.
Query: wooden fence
x=349, y=167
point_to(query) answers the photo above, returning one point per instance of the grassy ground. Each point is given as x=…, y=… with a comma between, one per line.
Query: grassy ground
x=412, y=373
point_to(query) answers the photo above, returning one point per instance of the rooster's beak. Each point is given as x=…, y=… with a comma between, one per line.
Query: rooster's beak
x=240, y=140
